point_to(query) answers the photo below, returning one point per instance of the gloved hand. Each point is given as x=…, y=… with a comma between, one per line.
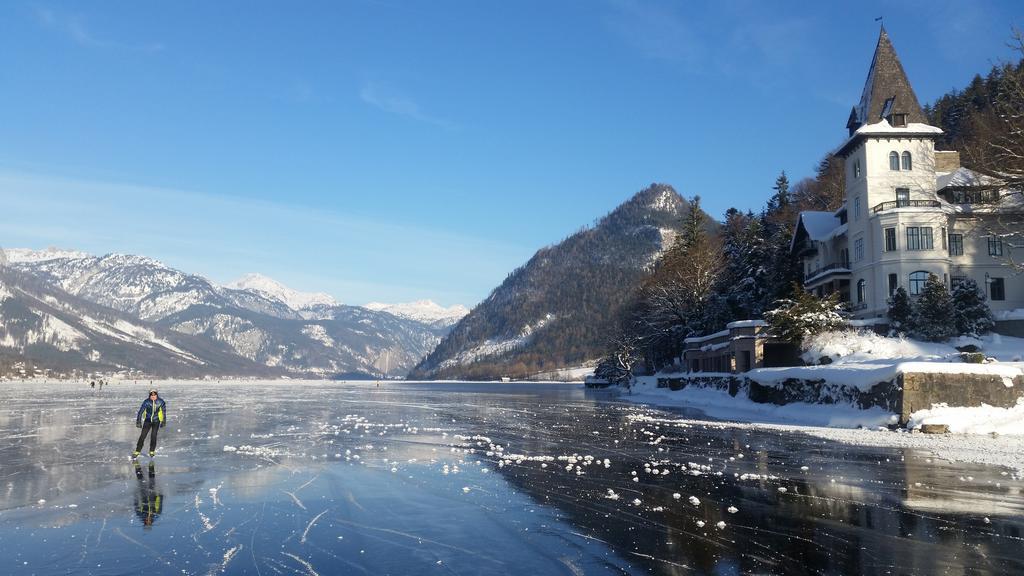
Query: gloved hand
x=162, y=424
x=138, y=424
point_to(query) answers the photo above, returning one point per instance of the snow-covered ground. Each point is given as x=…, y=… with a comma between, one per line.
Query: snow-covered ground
x=971, y=440
x=860, y=360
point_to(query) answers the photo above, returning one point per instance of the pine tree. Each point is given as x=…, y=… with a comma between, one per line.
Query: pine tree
x=780, y=200
x=778, y=221
x=971, y=313
x=677, y=298
x=935, y=319
x=743, y=289
x=901, y=313
x=794, y=319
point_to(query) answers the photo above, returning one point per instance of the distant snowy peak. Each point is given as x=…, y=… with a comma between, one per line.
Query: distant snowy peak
x=270, y=288
x=665, y=199
x=426, y=311
x=19, y=255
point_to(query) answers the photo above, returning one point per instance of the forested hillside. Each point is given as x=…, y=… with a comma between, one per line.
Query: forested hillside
x=557, y=310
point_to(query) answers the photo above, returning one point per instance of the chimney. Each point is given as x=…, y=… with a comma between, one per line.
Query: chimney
x=947, y=160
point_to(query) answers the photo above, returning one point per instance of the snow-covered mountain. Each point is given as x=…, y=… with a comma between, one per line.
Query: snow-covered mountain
x=425, y=311
x=15, y=255
x=45, y=326
x=274, y=290
x=141, y=286
x=255, y=322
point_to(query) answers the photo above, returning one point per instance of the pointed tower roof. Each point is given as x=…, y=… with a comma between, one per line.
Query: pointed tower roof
x=887, y=90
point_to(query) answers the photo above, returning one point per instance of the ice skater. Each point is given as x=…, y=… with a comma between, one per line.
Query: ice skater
x=152, y=415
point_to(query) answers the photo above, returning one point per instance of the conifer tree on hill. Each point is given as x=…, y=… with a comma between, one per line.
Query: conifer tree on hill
x=742, y=290
x=935, y=317
x=971, y=313
x=779, y=220
x=676, y=300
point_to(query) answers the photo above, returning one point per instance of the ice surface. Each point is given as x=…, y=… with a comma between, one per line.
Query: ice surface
x=334, y=478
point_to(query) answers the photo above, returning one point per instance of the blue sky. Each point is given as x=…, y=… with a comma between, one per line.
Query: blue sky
x=390, y=151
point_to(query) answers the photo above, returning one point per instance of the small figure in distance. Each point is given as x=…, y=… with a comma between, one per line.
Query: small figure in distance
x=152, y=415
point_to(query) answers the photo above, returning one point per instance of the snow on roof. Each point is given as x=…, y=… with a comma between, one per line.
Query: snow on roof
x=821, y=226
x=746, y=324
x=964, y=177
x=883, y=128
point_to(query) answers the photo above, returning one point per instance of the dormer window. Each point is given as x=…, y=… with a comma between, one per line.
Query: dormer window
x=899, y=121
x=894, y=160
x=906, y=161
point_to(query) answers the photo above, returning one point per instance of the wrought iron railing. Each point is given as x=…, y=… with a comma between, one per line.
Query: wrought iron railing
x=906, y=204
x=837, y=267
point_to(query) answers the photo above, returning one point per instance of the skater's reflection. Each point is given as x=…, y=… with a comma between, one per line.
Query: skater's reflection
x=148, y=498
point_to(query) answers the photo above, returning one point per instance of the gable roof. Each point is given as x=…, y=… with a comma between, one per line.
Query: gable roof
x=886, y=89
x=965, y=178
x=817, y=226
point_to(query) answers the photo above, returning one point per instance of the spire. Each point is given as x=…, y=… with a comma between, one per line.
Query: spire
x=887, y=91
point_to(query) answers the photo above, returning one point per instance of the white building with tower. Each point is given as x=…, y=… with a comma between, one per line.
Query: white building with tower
x=909, y=210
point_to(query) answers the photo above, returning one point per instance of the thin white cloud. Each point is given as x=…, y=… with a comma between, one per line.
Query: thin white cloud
x=656, y=31
x=391, y=102
x=73, y=26
x=222, y=237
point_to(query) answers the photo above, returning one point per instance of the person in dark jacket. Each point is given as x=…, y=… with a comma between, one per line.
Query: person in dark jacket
x=152, y=415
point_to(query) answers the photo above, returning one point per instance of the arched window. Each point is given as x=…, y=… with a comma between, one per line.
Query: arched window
x=906, y=161
x=917, y=280
x=861, y=290
x=894, y=160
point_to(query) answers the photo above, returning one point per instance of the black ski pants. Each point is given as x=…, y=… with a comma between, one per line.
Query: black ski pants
x=150, y=428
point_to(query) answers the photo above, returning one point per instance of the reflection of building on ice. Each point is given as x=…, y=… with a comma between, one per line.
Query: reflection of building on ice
x=148, y=499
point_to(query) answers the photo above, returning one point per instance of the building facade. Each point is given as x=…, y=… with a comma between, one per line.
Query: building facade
x=910, y=210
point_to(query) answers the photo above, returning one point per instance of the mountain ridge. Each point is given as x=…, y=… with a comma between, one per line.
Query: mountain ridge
x=553, y=312
x=261, y=330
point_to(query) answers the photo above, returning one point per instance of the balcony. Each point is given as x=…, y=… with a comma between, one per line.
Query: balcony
x=906, y=204
x=971, y=196
x=819, y=273
x=807, y=248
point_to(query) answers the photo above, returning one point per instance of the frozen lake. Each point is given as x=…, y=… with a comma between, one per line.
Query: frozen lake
x=315, y=478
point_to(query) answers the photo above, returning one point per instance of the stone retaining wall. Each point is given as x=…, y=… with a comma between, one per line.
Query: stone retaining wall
x=905, y=395
x=921, y=391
